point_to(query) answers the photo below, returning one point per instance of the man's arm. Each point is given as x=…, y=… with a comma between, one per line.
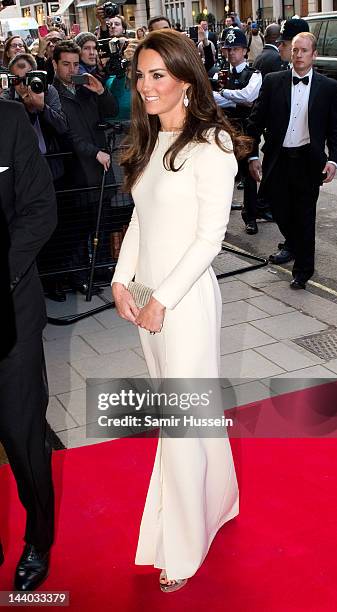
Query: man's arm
x=257, y=119
x=52, y=112
x=35, y=201
x=107, y=104
x=246, y=95
x=332, y=128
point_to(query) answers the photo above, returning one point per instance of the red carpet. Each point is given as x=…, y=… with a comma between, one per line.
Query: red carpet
x=278, y=555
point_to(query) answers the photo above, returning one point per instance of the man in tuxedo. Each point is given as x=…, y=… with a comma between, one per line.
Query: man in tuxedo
x=269, y=60
x=298, y=110
x=28, y=210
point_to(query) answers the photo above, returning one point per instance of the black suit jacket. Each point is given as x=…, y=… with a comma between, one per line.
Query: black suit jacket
x=84, y=111
x=269, y=60
x=28, y=207
x=214, y=39
x=271, y=114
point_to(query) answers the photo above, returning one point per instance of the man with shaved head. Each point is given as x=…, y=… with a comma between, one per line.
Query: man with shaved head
x=269, y=60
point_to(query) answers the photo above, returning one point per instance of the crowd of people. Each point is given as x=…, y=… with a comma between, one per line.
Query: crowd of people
x=86, y=89
x=197, y=107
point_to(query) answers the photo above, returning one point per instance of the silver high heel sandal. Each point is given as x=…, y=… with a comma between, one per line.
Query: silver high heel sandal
x=170, y=588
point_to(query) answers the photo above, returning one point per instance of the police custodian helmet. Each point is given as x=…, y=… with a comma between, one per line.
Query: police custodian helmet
x=234, y=37
x=291, y=28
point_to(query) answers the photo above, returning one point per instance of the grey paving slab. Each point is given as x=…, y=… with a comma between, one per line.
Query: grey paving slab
x=74, y=403
x=88, y=325
x=227, y=279
x=114, y=365
x=109, y=318
x=288, y=357
x=331, y=365
x=73, y=438
x=323, y=309
x=261, y=277
x=289, y=325
x=63, y=378
x=240, y=312
x=247, y=364
x=67, y=349
x=115, y=339
x=76, y=303
x=243, y=394
x=270, y=305
x=236, y=290
x=58, y=418
x=242, y=336
x=299, y=379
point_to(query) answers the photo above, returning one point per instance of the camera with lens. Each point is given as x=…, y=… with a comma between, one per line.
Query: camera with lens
x=113, y=49
x=36, y=80
x=110, y=10
x=56, y=19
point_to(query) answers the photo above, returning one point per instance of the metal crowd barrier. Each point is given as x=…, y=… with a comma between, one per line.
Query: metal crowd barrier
x=92, y=222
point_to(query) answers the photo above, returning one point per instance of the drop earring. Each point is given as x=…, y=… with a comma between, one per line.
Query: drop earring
x=186, y=100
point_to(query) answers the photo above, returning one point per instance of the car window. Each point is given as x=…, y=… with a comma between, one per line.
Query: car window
x=314, y=27
x=330, y=48
x=320, y=39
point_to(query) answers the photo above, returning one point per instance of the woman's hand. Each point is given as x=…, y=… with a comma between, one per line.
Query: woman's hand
x=151, y=317
x=124, y=302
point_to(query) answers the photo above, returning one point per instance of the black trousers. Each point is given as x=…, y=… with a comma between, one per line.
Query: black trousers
x=294, y=189
x=23, y=405
x=249, y=211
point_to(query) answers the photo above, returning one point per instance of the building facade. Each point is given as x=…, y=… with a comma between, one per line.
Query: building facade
x=138, y=12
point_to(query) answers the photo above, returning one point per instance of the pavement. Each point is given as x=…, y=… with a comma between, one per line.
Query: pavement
x=265, y=331
x=265, y=242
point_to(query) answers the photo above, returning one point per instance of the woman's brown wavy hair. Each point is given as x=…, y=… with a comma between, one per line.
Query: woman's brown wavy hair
x=182, y=60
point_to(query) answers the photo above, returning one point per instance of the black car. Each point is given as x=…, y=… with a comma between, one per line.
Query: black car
x=324, y=27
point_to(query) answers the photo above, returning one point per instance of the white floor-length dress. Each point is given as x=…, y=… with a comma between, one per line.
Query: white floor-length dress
x=179, y=221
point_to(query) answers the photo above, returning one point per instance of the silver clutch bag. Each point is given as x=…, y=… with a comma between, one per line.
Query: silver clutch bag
x=140, y=293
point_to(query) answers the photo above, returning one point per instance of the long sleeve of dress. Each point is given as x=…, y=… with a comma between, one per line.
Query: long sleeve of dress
x=128, y=256
x=214, y=174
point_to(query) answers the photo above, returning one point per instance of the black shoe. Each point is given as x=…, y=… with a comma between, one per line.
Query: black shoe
x=282, y=256
x=240, y=185
x=251, y=227
x=236, y=206
x=2, y=558
x=297, y=284
x=57, y=294
x=32, y=569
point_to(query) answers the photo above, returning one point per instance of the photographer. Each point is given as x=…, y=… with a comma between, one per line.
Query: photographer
x=89, y=55
x=85, y=106
x=206, y=48
x=42, y=106
x=44, y=57
x=111, y=23
x=119, y=84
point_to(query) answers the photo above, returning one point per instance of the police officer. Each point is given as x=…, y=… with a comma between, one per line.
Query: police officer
x=242, y=89
x=289, y=30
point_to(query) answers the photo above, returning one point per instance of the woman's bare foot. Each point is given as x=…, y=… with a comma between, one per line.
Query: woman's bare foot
x=168, y=586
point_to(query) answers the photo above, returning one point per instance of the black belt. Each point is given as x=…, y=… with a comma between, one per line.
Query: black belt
x=295, y=152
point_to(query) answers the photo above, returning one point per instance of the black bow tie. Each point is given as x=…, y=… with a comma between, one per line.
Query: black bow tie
x=297, y=80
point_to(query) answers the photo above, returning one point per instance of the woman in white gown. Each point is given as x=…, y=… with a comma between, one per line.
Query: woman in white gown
x=182, y=205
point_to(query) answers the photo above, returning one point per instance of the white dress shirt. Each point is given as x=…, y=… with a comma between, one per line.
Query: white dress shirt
x=247, y=95
x=297, y=133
